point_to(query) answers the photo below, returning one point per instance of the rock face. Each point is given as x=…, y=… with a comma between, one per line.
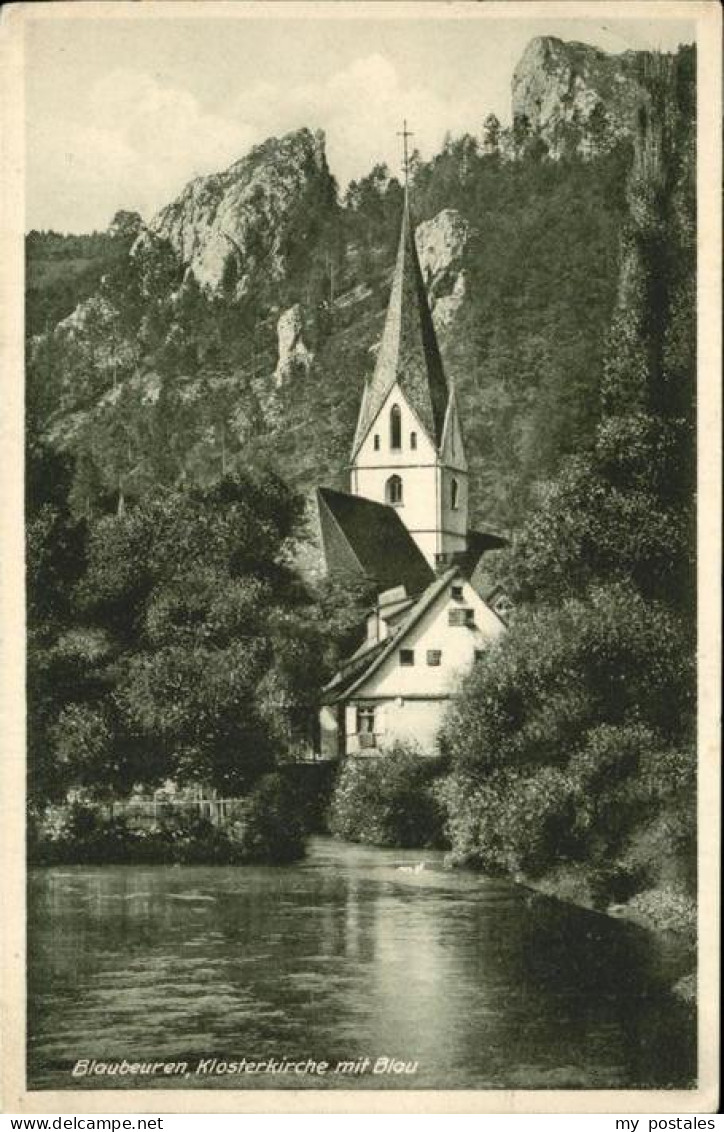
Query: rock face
x=227, y=225
x=441, y=244
x=294, y=357
x=576, y=98
x=93, y=328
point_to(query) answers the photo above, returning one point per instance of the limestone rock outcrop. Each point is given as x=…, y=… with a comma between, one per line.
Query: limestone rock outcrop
x=441, y=244
x=576, y=98
x=228, y=225
x=294, y=357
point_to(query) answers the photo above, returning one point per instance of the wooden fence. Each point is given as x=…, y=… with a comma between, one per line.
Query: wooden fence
x=145, y=812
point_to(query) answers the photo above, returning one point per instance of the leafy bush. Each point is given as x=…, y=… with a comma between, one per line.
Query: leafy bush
x=388, y=801
x=262, y=827
x=271, y=824
x=624, y=803
x=513, y=822
x=665, y=909
x=611, y=658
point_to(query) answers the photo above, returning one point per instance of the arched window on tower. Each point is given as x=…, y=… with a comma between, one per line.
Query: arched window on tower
x=393, y=490
x=454, y=494
x=395, y=427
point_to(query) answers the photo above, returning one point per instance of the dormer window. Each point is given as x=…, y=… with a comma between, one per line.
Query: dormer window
x=393, y=490
x=395, y=427
x=454, y=494
x=377, y=442
x=413, y=441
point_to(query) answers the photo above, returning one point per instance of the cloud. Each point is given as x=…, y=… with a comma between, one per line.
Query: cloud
x=139, y=143
x=361, y=108
x=141, y=140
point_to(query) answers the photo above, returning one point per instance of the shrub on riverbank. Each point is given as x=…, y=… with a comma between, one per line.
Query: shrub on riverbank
x=388, y=801
x=263, y=827
x=621, y=802
x=271, y=825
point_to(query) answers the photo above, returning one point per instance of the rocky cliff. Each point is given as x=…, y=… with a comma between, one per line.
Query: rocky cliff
x=240, y=328
x=228, y=225
x=574, y=97
x=441, y=244
x=294, y=357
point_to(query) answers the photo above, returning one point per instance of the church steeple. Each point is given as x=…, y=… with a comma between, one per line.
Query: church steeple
x=408, y=449
x=409, y=355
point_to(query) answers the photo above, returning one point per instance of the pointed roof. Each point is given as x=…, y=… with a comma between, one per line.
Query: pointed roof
x=409, y=352
x=365, y=539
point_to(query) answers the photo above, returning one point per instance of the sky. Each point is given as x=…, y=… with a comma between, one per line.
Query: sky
x=122, y=112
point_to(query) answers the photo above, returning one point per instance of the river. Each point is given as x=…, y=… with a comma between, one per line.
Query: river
x=459, y=980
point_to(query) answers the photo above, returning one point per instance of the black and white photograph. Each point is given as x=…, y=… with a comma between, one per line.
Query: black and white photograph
x=361, y=386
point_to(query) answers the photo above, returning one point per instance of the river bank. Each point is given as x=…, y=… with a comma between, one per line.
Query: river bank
x=661, y=910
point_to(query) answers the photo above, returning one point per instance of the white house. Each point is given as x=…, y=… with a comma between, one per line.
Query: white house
x=404, y=528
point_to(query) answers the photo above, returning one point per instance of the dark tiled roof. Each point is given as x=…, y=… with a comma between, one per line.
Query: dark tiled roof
x=409, y=352
x=477, y=543
x=365, y=539
x=352, y=668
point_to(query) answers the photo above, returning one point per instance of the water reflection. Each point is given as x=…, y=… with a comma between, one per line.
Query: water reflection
x=344, y=957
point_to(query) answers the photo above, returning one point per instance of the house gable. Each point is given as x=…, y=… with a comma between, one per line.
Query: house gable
x=428, y=629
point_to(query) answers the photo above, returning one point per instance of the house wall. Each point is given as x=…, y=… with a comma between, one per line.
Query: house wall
x=416, y=722
x=410, y=701
x=457, y=644
x=331, y=731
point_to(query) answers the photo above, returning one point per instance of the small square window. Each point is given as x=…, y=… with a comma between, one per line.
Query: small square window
x=479, y=654
x=407, y=657
x=434, y=657
x=456, y=592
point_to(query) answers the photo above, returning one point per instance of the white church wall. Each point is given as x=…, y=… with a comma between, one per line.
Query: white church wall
x=385, y=456
x=454, y=519
x=417, y=468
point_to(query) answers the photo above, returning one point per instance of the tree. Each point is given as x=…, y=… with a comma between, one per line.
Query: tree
x=573, y=738
x=215, y=660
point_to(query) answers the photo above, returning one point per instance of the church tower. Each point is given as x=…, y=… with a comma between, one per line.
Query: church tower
x=408, y=448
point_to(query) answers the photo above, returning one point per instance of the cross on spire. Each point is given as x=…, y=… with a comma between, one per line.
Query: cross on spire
x=404, y=133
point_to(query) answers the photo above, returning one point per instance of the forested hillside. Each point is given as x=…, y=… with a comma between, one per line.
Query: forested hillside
x=178, y=415
x=157, y=379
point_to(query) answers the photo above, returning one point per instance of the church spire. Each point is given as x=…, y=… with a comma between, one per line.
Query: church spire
x=409, y=354
x=404, y=133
